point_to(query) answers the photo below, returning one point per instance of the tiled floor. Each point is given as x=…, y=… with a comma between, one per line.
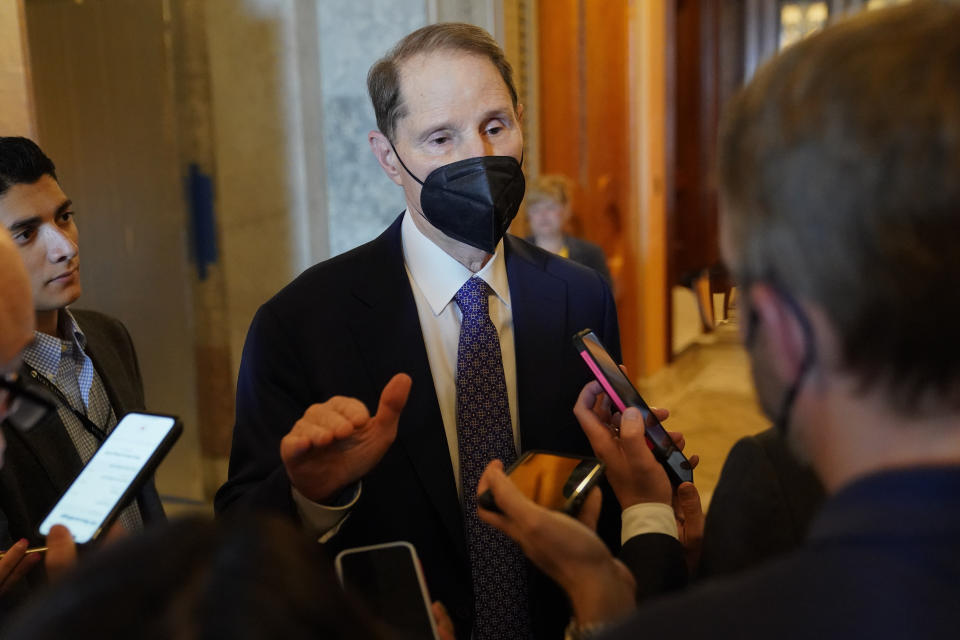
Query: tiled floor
x=710, y=395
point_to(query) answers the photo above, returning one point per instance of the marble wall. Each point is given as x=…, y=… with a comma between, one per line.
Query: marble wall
x=353, y=34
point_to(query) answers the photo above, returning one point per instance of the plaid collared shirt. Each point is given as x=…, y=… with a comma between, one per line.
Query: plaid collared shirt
x=65, y=363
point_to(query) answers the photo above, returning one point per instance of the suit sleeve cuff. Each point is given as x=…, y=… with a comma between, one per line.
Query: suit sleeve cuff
x=648, y=517
x=322, y=520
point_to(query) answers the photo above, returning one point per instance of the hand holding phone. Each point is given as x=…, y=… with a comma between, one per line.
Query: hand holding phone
x=623, y=395
x=114, y=475
x=553, y=480
x=387, y=577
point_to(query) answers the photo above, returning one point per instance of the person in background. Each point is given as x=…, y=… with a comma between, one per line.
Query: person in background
x=549, y=211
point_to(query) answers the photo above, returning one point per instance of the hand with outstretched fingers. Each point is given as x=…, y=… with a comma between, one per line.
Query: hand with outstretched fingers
x=337, y=442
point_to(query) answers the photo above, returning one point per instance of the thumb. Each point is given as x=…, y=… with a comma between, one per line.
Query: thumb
x=590, y=513
x=688, y=499
x=632, y=432
x=393, y=399
x=61, y=552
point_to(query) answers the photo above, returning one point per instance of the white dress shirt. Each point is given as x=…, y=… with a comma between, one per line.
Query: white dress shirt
x=435, y=278
x=648, y=517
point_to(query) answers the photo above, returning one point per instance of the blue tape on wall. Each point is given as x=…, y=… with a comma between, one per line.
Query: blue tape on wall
x=202, y=220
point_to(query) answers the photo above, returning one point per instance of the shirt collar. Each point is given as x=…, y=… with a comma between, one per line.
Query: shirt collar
x=44, y=353
x=70, y=327
x=439, y=276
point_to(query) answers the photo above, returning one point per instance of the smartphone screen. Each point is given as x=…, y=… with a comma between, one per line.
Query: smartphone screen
x=137, y=442
x=623, y=394
x=551, y=480
x=387, y=578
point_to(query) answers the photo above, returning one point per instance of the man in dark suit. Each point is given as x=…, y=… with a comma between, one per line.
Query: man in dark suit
x=840, y=179
x=339, y=334
x=84, y=359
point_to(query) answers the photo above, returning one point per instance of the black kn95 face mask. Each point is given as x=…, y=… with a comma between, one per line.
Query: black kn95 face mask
x=473, y=200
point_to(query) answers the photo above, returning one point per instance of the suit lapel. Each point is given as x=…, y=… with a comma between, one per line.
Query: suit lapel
x=104, y=362
x=539, y=303
x=390, y=339
x=50, y=443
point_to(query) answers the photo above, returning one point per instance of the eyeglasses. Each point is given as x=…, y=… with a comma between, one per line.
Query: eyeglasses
x=26, y=405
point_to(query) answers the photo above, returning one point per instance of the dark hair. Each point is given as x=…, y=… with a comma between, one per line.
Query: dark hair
x=383, y=79
x=22, y=162
x=199, y=579
x=840, y=179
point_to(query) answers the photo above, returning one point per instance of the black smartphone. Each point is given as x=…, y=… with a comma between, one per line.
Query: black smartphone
x=553, y=480
x=623, y=394
x=114, y=475
x=387, y=577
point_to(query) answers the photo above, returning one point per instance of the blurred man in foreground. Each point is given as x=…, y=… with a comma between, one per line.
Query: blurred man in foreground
x=840, y=182
x=16, y=332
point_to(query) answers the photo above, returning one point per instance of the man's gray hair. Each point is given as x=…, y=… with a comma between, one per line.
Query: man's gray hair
x=840, y=181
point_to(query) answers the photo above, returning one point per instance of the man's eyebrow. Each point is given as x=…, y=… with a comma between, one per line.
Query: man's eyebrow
x=36, y=221
x=499, y=112
x=26, y=223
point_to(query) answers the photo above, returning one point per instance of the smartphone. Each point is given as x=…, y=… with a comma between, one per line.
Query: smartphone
x=114, y=475
x=623, y=394
x=387, y=577
x=553, y=480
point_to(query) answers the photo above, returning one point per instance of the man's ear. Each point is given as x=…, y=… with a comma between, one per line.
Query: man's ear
x=777, y=330
x=386, y=156
x=520, y=113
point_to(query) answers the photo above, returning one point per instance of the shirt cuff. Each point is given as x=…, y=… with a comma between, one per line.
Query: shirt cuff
x=648, y=517
x=322, y=520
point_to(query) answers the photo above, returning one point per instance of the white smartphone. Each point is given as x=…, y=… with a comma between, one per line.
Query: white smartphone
x=114, y=475
x=387, y=577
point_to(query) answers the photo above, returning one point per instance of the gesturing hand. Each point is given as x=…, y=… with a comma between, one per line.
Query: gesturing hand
x=336, y=442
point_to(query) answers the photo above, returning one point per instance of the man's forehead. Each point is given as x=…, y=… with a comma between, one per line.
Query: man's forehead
x=26, y=200
x=432, y=80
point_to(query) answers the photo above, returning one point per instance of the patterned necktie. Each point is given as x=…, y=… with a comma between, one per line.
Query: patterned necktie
x=485, y=432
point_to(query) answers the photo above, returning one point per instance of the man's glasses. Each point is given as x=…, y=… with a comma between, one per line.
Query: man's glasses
x=26, y=405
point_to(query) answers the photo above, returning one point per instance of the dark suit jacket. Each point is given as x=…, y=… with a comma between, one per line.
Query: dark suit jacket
x=345, y=327
x=39, y=465
x=657, y=562
x=590, y=255
x=762, y=506
x=882, y=561
x=587, y=254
